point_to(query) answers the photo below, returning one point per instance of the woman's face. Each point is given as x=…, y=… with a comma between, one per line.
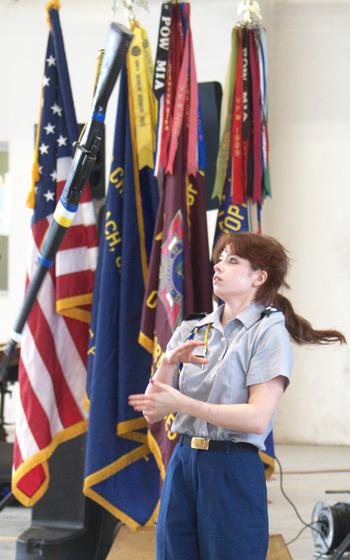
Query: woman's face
x=234, y=277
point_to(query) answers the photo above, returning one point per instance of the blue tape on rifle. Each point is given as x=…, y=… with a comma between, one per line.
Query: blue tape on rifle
x=100, y=117
x=46, y=263
x=68, y=206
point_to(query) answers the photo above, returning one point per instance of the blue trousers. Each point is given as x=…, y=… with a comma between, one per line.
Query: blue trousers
x=213, y=506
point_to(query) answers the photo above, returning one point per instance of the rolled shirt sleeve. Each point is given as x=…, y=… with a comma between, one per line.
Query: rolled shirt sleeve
x=272, y=356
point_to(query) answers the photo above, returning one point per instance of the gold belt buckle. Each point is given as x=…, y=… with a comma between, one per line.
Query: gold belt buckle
x=200, y=443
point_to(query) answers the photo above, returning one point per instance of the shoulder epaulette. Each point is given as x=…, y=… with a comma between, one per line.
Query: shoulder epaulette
x=193, y=316
x=268, y=311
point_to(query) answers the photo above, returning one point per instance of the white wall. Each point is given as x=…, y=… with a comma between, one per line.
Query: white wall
x=309, y=87
x=310, y=146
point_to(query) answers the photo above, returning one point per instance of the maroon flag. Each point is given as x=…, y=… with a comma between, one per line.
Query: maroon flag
x=179, y=279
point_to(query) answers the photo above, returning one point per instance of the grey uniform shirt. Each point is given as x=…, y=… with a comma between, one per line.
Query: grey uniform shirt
x=249, y=350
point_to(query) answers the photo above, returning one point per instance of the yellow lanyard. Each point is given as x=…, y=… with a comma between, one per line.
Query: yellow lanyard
x=206, y=339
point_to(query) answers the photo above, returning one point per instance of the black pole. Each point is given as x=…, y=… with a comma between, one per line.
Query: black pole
x=3, y=392
x=118, y=41
x=6, y=501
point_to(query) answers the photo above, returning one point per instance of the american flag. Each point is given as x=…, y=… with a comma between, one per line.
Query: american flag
x=52, y=370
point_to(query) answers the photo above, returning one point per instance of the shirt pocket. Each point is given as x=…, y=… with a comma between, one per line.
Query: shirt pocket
x=190, y=378
x=233, y=380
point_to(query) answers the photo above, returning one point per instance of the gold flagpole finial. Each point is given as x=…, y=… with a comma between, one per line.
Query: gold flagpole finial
x=51, y=5
x=249, y=12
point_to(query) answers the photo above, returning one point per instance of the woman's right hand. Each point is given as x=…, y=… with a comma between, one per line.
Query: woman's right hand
x=184, y=354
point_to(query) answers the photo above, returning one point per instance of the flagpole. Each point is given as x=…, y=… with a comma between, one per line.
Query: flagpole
x=6, y=501
x=118, y=41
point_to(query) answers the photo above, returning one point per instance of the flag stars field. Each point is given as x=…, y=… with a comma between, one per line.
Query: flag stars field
x=44, y=149
x=62, y=140
x=50, y=128
x=51, y=61
x=46, y=81
x=49, y=195
x=53, y=175
x=56, y=109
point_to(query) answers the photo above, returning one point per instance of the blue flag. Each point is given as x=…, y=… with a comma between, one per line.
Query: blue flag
x=121, y=473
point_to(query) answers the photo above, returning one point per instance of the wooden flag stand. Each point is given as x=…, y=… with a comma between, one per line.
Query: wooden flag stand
x=278, y=549
x=143, y=546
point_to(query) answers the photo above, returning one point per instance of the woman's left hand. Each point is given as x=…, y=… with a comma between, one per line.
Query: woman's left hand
x=161, y=402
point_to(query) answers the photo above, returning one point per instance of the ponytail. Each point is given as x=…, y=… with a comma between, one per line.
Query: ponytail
x=301, y=330
x=266, y=253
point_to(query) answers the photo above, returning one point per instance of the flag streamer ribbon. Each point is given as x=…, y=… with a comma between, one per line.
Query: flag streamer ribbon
x=242, y=165
x=140, y=70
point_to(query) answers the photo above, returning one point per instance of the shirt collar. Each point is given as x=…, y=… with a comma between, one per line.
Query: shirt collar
x=250, y=314
x=214, y=318
x=247, y=317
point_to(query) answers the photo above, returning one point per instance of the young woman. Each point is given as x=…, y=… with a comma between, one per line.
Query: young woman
x=224, y=375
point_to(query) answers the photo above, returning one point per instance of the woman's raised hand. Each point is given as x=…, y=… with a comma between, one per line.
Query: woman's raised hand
x=184, y=354
x=160, y=398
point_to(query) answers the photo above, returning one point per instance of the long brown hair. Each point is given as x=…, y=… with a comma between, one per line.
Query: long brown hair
x=265, y=253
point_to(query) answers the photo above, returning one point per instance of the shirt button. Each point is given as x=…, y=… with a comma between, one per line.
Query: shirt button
x=222, y=338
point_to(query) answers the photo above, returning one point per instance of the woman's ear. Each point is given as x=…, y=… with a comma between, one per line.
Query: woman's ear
x=260, y=278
